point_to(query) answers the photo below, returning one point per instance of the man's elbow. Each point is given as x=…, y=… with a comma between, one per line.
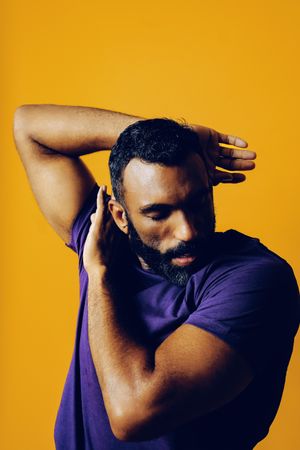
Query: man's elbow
x=19, y=124
x=137, y=425
x=120, y=427
x=131, y=425
x=22, y=120
x=130, y=433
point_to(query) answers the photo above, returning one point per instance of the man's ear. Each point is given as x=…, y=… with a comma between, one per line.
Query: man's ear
x=119, y=215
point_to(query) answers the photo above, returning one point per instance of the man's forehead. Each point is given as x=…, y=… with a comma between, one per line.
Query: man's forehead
x=145, y=182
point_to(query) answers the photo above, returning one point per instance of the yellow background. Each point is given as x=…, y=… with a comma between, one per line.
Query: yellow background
x=231, y=65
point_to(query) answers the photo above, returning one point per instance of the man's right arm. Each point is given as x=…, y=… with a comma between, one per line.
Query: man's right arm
x=50, y=140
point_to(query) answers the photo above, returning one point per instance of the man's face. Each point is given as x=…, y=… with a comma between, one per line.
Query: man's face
x=170, y=216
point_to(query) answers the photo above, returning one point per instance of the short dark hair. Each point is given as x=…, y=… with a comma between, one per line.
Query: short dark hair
x=162, y=141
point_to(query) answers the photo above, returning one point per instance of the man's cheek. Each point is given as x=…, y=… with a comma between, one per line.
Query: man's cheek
x=153, y=241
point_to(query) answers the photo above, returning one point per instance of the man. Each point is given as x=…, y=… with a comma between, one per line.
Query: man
x=184, y=334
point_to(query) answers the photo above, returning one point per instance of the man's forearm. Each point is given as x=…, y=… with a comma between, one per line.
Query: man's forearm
x=124, y=366
x=72, y=130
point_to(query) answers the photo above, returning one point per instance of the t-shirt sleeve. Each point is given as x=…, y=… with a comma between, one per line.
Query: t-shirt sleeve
x=250, y=308
x=82, y=222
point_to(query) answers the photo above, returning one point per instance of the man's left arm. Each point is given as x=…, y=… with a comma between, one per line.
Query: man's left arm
x=147, y=392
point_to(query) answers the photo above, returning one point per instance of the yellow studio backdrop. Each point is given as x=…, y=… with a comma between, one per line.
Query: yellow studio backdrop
x=231, y=65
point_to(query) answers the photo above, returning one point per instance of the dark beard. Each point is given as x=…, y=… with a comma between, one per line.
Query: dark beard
x=161, y=264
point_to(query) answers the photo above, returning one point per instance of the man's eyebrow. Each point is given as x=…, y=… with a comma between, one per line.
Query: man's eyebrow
x=154, y=207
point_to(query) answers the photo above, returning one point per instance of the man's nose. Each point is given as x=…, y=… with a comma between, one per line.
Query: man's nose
x=184, y=228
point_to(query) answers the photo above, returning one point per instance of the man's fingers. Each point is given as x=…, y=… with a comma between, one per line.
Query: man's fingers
x=235, y=164
x=232, y=140
x=100, y=196
x=237, y=178
x=227, y=177
x=234, y=153
x=97, y=217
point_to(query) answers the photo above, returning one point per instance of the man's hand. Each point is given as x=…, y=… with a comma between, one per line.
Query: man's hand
x=103, y=241
x=215, y=154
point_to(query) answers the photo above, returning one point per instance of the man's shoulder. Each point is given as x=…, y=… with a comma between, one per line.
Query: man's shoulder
x=247, y=295
x=242, y=261
x=236, y=249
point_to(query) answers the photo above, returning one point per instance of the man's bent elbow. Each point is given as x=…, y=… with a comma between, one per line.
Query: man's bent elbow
x=134, y=426
x=19, y=125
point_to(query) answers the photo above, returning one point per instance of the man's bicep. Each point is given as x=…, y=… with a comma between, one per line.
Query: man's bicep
x=60, y=184
x=195, y=373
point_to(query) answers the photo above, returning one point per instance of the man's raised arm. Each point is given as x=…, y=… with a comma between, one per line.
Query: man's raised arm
x=70, y=130
x=50, y=139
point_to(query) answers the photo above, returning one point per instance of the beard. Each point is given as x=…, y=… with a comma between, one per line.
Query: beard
x=161, y=263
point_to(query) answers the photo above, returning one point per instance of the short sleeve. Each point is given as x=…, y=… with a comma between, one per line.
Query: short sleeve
x=253, y=308
x=82, y=222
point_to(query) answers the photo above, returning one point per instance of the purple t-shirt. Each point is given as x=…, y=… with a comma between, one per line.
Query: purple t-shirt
x=245, y=295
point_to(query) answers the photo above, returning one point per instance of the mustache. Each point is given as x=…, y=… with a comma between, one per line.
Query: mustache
x=191, y=248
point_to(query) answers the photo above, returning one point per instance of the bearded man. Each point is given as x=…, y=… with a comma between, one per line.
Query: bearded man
x=184, y=334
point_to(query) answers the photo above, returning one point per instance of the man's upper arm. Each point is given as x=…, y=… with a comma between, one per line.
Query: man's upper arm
x=213, y=356
x=60, y=183
x=195, y=373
